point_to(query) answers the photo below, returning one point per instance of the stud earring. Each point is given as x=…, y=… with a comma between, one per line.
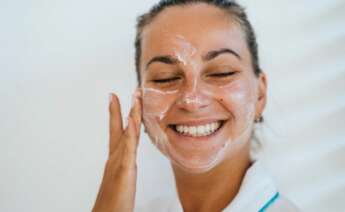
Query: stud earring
x=259, y=120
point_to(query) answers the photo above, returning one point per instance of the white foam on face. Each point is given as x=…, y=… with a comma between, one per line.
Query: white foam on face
x=184, y=50
x=228, y=149
x=236, y=98
x=158, y=94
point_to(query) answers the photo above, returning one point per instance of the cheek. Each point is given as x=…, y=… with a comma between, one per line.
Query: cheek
x=156, y=103
x=239, y=99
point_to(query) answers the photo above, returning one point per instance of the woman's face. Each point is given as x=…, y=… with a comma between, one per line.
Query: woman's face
x=200, y=94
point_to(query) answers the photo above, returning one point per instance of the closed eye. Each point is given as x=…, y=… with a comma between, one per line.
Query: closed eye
x=166, y=80
x=222, y=74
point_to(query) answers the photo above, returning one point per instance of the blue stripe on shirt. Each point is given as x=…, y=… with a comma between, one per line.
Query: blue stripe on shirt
x=263, y=209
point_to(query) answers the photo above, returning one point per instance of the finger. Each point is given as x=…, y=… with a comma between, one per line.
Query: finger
x=130, y=140
x=135, y=112
x=115, y=121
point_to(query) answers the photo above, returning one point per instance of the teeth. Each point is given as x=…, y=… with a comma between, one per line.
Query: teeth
x=200, y=130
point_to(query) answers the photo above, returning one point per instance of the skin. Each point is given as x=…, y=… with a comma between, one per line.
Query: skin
x=214, y=189
x=117, y=190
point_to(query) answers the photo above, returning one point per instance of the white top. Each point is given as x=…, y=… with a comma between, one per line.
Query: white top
x=257, y=194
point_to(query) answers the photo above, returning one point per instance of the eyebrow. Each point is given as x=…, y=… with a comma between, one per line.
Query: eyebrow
x=167, y=59
x=163, y=59
x=213, y=54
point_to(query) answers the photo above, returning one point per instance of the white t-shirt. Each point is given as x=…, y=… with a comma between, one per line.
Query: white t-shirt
x=257, y=194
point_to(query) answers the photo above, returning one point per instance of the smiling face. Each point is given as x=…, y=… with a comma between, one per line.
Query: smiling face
x=200, y=94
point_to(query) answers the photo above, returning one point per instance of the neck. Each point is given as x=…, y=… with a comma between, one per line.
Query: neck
x=215, y=189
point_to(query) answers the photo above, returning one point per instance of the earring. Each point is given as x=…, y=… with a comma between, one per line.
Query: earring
x=259, y=120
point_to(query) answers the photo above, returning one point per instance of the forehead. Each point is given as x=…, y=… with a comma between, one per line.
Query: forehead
x=204, y=27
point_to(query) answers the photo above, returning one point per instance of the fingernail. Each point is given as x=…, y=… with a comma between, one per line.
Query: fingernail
x=134, y=99
x=138, y=92
x=110, y=98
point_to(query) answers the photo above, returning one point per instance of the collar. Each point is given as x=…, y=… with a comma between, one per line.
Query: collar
x=257, y=192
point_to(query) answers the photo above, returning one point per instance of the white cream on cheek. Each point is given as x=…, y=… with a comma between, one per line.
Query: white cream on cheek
x=236, y=98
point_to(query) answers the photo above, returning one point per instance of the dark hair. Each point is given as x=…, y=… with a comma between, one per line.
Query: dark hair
x=231, y=7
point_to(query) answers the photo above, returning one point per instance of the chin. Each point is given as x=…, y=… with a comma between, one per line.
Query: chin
x=197, y=163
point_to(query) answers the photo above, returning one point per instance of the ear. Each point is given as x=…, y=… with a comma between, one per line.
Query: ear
x=262, y=95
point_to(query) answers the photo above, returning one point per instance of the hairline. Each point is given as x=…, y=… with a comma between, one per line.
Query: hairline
x=150, y=16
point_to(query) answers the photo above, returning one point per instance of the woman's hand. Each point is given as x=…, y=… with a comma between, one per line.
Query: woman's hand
x=117, y=191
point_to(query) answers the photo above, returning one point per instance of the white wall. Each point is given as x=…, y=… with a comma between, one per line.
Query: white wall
x=60, y=59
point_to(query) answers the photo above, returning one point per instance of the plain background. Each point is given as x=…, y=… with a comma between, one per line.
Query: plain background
x=60, y=59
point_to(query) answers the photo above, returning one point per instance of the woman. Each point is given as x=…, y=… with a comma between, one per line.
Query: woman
x=200, y=93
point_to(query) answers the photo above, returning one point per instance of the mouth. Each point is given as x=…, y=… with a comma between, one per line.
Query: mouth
x=198, y=130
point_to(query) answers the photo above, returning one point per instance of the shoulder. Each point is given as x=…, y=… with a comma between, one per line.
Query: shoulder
x=283, y=204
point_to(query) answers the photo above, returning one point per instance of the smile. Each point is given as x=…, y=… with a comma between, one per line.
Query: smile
x=198, y=130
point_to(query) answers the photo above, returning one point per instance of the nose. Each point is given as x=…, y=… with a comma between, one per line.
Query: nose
x=192, y=97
